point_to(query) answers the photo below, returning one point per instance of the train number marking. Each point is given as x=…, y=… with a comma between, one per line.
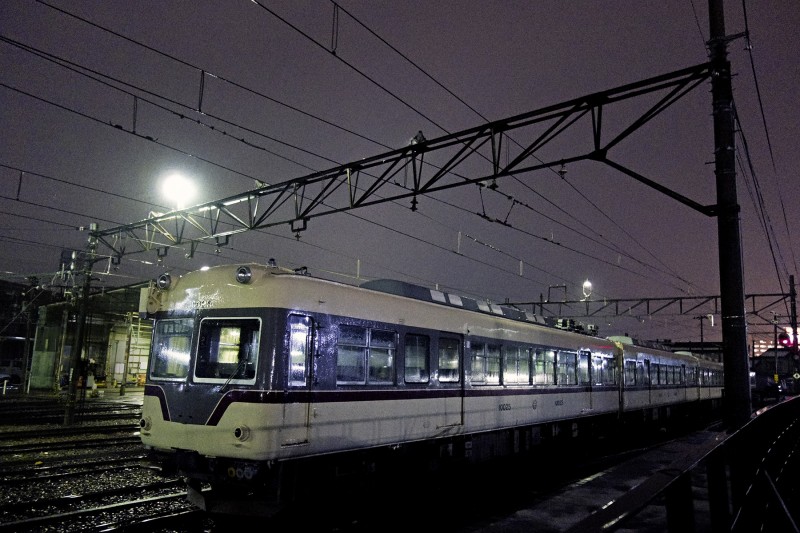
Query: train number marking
x=504, y=407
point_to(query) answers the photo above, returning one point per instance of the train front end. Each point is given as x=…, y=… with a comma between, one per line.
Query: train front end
x=207, y=409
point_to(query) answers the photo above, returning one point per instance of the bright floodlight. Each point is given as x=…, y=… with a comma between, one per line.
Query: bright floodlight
x=178, y=190
x=587, y=289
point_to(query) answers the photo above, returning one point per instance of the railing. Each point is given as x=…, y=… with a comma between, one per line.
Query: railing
x=752, y=482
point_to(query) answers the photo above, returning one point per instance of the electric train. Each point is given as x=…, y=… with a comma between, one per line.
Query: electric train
x=259, y=375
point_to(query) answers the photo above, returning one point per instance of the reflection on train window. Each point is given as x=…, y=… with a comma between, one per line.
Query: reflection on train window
x=672, y=376
x=227, y=350
x=710, y=378
x=417, y=369
x=630, y=372
x=604, y=371
x=516, y=365
x=544, y=367
x=381, y=356
x=299, y=344
x=485, y=363
x=566, y=368
x=643, y=372
x=583, y=367
x=361, y=348
x=172, y=340
x=449, y=370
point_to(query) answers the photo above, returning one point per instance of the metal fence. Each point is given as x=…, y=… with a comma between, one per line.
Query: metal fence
x=742, y=481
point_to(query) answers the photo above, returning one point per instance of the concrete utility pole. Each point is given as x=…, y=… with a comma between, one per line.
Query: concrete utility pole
x=80, y=333
x=793, y=316
x=734, y=324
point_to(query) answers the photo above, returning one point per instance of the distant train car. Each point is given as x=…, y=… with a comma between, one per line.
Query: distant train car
x=256, y=373
x=774, y=374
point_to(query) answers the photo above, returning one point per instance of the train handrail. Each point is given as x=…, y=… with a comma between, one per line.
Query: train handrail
x=743, y=468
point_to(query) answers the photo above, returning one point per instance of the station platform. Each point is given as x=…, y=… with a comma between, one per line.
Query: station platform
x=570, y=507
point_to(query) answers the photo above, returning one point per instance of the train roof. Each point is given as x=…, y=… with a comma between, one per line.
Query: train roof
x=418, y=292
x=434, y=296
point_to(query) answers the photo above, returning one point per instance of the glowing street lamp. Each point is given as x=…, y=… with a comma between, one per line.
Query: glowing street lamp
x=179, y=190
x=587, y=289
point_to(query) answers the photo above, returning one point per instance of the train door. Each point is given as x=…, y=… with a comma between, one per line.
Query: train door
x=297, y=407
x=585, y=373
x=683, y=383
x=451, y=376
x=621, y=372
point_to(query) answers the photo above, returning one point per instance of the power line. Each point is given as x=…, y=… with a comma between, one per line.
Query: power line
x=62, y=63
x=432, y=78
x=195, y=67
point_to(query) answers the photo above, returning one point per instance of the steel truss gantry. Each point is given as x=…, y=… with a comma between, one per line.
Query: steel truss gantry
x=758, y=305
x=478, y=156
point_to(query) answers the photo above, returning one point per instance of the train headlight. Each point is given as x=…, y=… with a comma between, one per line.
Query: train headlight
x=242, y=433
x=164, y=281
x=146, y=423
x=243, y=274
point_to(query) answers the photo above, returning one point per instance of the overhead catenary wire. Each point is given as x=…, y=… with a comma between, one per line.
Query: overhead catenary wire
x=58, y=61
x=671, y=271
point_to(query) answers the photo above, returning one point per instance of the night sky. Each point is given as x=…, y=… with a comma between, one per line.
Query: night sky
x=102, y=99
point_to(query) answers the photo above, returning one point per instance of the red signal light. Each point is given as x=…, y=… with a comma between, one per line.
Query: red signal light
x=784, y=339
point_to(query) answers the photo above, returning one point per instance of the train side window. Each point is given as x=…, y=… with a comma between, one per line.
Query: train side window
x=543, y=367
x=417, y=357
x=630, y=372
x=691, y=375
x=365, y=355
x=478, y=350
x=643, y=372
x=382, y=346
x=493, y=364
x=299, y=342
x=583, y=368
x=516, y=365
x=449, y=370
x=603, y=371
x=172, y=340
x=525, y=366
x=227, y=349
x=351, y=355
x=486, y=363
x=566, y=366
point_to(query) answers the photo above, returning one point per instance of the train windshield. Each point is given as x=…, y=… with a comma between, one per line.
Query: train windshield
x=227, y=350
x=172, y=341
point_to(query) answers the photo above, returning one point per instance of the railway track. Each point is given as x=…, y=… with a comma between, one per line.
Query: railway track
x=98, y=478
